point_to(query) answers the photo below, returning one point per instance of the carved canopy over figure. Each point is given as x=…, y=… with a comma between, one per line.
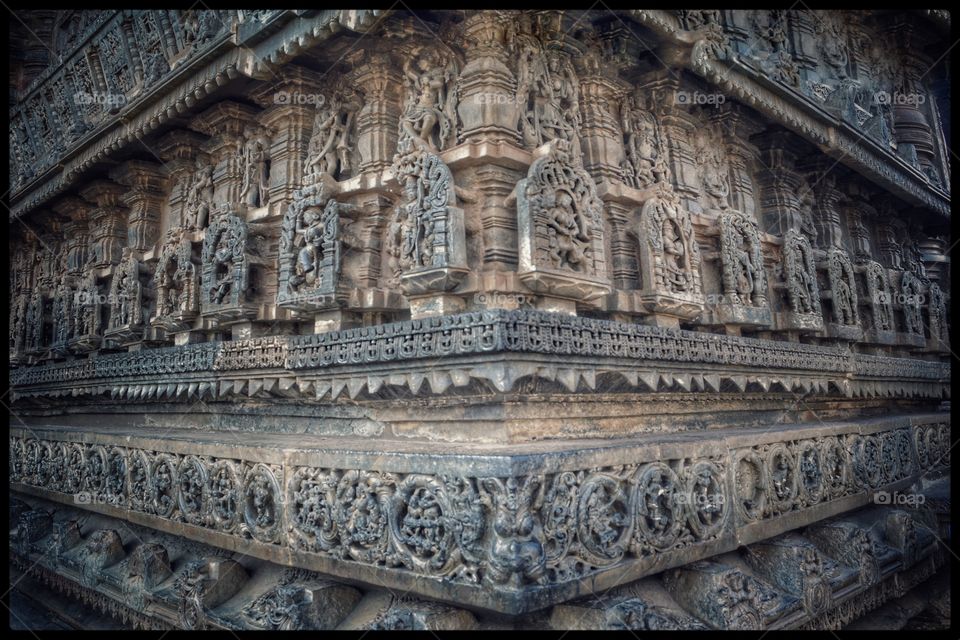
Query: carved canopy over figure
x=429, y=117
x=126, y=294
x=175, y=279
x=844, y=288
x=801, y=273
x=744, y=280
x=911, y=296
x=878, y=290
x=225, y=267
x=714, y=171
x=670, y=255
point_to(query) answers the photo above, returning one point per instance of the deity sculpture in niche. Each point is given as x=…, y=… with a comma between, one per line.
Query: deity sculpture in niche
x=669, y=257
x=937, y=310
x=880, y=302
x=800, y=274
x=743, y=277
x=331, y=148
x=225, y=267
x=714, y=170
x=86, y=315
x=255, y=160
x=560, y=222
x=426, y=237
x=843, y=295
x=199, y=197
x=911, y=299
x=310, y=250
x=126, y=300
x=429, y=118
x=176, y=284
x=643, y=164
x=62, y=318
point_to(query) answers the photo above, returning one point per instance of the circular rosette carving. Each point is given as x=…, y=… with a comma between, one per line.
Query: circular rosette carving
x=163, y=485
x=866, y=461
x=904, y=457
x=261, y=504
x=782, y=475
x=812, y=483
x=361, y=515
x=311, y=495
x=191, y=489
x=889, y=460
x=116, y=472
x=138, y=479
x=750, y=481
x=224, y=494
x=659, y=512
x=836, y=466
x=604, y=525
x=705, y=499
x=95, y=470
x=559, y=516
x=422, y=526
x=76, y=465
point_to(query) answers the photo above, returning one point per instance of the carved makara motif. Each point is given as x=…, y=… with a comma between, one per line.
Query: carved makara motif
x=176, y=283
x=426, y=237
x=561, y=227
x=744, y=279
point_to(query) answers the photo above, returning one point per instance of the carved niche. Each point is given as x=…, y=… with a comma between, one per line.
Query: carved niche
x=800, y=274
x=311, y=238
x=669, y=257
x=880, y=302
x=937, y=311
x=426, y=238
x=126, y=301
x=85, y=328
x=743, y=277
x=560, y=226
x=911, y=303
x=842, y=296
x=711, y=155
x=255, y=164
x=62, y=318
x=176, y=284
x=225, y=277
x=199, y=198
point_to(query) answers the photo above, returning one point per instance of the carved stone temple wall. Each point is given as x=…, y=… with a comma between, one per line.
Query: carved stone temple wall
x=480, y=319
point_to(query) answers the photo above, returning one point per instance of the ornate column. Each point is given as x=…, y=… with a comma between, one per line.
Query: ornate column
x=226, y=124
x=779, y=183
x=179, y=151
x=107, y=223
x=378, y=119
x=146, y=184
x=487, y=107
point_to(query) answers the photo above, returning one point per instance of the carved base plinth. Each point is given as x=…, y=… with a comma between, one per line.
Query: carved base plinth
x=175, y=323
x=802, y=322
x=739, y=315
x=435, y=305
x=122, y=336
x=432, y=279
x=844, y=331
x=309, y=300
x=85, y=344
x=224, y=315
x=877, y=336
x=905, y=339
x=935, y=345
x=564, y=284
x=680, y=306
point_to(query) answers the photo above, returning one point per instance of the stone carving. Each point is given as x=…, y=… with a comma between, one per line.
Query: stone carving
x=127, y=298
x=744, y=280
x=332, y=147
x=548, y=92
x=226, y=270
x=644, y=163
x=255, y=164
x=426, y=237
x=669, y=257
x=429, y=120
x=561, y=228
x=801, y=274
x=176, y=283
x=937, y=310
x=714, y=168
x=843, y=294
x=199, y=198
x=879, y=297
x=912, y=295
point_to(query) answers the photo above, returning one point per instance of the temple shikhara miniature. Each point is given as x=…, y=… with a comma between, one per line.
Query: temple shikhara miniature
x=359, y=319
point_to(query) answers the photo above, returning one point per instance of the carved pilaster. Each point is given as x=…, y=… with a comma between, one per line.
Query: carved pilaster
x=147, y=188
x=108, y=231
x=378, y=118
x=487, y=107
x=179, y=151
x=231, y=127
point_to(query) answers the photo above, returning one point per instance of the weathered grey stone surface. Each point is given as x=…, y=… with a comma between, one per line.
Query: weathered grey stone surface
x=372, y=319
